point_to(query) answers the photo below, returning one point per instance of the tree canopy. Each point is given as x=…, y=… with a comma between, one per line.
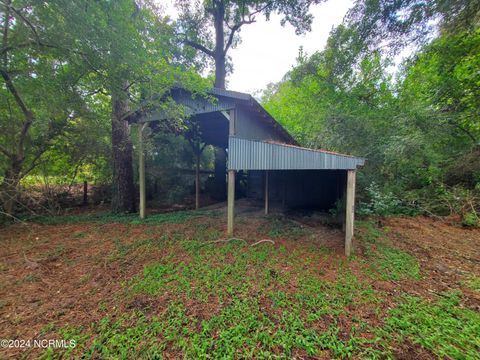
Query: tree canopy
x=62, y=63
x=418, y=129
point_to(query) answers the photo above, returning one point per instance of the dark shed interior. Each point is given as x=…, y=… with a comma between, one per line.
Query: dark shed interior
x=293, y=189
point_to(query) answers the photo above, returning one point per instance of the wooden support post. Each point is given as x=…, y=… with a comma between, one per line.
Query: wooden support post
x=349, y=211
x=197, y=182
x=85, y=193
x=231, y=182
x=230, y=202
x=266, y=192
x=344, y=205
x=141, y=171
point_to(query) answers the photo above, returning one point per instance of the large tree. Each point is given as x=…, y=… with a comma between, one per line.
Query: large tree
x=40, y=97
x=60, y=62
x=213, y=26
x=133, y=59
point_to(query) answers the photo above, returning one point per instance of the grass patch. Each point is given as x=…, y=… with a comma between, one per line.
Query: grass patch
x=228, y=300
x=32, y=278
x=256, y=313
x=80, y=234
x=472, y=282
x=125, y=249
x=385, y=261
x=444, y=326
x=56, y=253
x=283, y=228
x=177, y=217
x=215, y=270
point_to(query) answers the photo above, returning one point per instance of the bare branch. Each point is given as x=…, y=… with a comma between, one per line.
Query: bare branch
x=200, y=47
x=462, y=129
x=128, y=86
x=237, y=26
x=4, y=50
x=45, y=146
x=27, y=22
x=5, y=31
x=18, y=99
x=233, y=30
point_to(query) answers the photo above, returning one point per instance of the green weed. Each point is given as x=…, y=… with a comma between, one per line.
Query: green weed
x=230, y=300
x=282, y=228
x=177, y=217
x=385, y=261
x=472, y=282
x=443, y=326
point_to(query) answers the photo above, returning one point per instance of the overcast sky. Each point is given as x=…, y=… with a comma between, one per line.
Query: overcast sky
x=268, y=50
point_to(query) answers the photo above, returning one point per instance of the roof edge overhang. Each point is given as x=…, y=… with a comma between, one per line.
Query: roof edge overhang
x=246, y=154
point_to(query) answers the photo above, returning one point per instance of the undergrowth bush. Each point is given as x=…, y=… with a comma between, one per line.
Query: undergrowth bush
x=382, y=203
x=436, y=200
x=442, y=200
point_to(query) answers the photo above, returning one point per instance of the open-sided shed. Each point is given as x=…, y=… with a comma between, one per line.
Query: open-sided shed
x=256, y=145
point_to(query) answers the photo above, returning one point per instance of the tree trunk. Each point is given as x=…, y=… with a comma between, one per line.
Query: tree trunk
x=219, y=52
x=9, y=187
x=220, y=71
x=123, y=190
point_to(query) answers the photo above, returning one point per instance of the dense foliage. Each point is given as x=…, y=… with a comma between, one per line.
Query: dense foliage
x=74, y=76
x=419, y=130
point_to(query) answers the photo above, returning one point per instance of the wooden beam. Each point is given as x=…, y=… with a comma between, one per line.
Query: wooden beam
x=141, y=170
x=197, y=181
x=349, y=211
x=85, y=193
x=344, y=201
x=230, y=202
x=231, y=182
x=266, y=192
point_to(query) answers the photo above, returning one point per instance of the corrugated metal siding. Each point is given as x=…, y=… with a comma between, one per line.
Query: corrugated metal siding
x=259, y=155
x=249, y=125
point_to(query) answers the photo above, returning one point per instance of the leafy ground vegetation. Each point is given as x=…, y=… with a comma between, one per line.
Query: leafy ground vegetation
x=166, y=288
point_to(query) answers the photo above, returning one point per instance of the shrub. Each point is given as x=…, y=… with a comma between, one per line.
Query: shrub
x=382, y=203
x=471, y=219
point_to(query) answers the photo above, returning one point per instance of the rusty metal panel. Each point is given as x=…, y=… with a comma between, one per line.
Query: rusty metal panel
x=245, y=154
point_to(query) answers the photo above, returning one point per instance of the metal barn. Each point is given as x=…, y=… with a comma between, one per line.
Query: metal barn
x=259, y=148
